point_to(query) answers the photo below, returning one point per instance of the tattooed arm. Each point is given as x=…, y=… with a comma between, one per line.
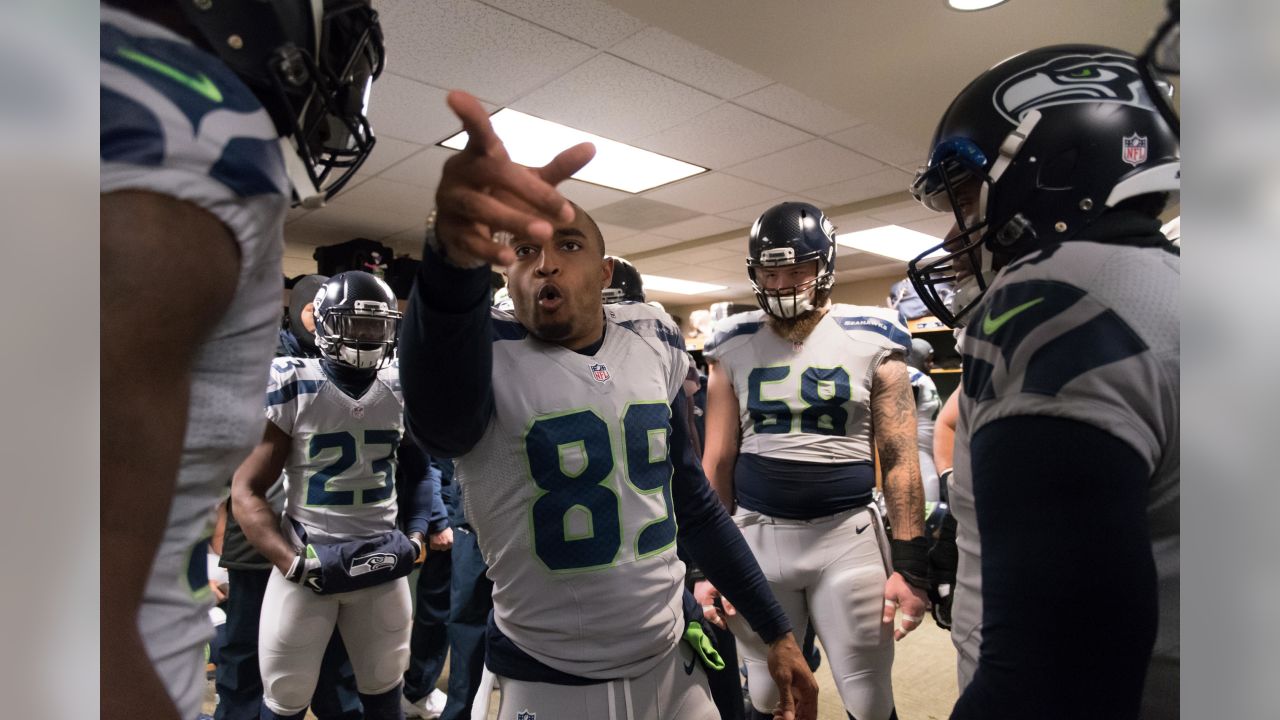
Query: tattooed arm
x=893, y=416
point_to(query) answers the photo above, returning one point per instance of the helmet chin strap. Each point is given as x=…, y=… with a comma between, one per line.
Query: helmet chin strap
x=309, y=196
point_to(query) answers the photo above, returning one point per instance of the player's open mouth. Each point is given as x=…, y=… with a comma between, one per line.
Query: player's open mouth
x=550, y=298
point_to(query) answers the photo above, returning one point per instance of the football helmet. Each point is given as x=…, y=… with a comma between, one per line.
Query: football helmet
x=312, y=64
x=787, y=234
x=626, y=283
x=357, y=323
x=1028, y=155
x=921, y=355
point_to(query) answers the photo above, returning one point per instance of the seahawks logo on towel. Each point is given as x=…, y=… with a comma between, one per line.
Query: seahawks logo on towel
x=371, y=563
x=1071, y=79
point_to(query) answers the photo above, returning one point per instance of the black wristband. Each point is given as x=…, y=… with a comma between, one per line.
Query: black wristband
x=911, y=560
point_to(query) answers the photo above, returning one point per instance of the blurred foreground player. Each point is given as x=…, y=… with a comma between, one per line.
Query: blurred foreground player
x=195, y=187
x=1056, y=164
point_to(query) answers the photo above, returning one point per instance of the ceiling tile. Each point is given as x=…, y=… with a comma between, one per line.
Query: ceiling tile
x=698, y=256
x=360, y=221
x=724, y=136
x=813, y=164
x=795, y=108
x=409, y=110
x=637, y=244
x=591, y=22
x=613, y=233
x=377, y=193
x=590, y=196
x=877, y=184
x=854, y=223
x=937, y=226
x=310, y=234
x=641, y=213
x=295, y=213
x=422, y=170
x=883, y=144
x=903, y=213
x=386, y=152
x=437, y=42
x=678, y=58
x=698, y=227
x=747, y=215
x=712, y=193
x=611, y=97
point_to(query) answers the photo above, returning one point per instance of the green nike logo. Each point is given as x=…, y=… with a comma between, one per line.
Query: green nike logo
x=201, y=83
x=990, y=325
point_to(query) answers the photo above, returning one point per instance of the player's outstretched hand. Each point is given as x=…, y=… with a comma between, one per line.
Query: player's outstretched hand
x=913, y=601
x=483, y=192
x=797, y=688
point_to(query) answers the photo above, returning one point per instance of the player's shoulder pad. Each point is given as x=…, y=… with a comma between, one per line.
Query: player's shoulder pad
x=291, y=377
x=731, y=331
x=167, y=103
x=646, y=321
x=504, y=326
x=877, y=325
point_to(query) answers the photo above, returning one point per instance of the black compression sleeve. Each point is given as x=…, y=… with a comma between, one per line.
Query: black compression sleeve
x=1068, y=578
x=709, y=536
x=446, y=357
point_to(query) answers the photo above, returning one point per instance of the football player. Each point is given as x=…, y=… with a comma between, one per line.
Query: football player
x=626, y=285
x=567, y=420
x=800, y=395
x=919, y=362
x=195, y=98
x=1056, y=165
x=334, y=426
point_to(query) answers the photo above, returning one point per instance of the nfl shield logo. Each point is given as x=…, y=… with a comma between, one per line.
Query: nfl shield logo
x=1135, y=149
x=526, y=715
x=599, y=372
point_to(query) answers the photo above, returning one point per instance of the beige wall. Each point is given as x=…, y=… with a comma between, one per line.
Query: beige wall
x=872, y=291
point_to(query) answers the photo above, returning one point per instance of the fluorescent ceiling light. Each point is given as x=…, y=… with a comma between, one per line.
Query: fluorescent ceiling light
x=968, y=5
x=533, y=142
x=891, y=241
x=676, y=285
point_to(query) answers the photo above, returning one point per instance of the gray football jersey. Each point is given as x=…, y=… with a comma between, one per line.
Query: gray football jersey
x=1122, y=304
x=569, y=491
x=811, y=401
x=340, y=476
x=927, y=405
x=213, y=146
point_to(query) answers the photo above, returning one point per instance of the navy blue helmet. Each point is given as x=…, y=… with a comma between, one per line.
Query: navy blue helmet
x=357, y=320
x=1028, y=155
x=792, y=233
x=626, y=284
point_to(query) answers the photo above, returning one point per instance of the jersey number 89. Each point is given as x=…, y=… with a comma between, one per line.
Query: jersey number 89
x=585, y=434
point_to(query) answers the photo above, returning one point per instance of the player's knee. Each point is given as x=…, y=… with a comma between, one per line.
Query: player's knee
x=287, y=695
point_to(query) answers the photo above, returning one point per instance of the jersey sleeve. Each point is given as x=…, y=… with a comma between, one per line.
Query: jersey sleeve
x=731, y=331
x=176, y=121
x=283, y=388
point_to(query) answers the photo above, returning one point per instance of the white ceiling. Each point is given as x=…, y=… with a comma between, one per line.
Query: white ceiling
x=827, y=101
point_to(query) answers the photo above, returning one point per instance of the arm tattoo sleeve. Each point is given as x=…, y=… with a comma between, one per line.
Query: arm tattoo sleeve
x=893, y=416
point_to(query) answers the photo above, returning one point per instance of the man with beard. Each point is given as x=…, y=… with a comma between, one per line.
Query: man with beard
x=567, y=422
x=800, y=395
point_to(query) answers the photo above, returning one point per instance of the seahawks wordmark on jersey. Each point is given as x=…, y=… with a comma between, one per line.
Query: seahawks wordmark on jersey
x=807, y=402
x=175, y=121
x=1087, y=332
x=569, y=491
x=340, y=475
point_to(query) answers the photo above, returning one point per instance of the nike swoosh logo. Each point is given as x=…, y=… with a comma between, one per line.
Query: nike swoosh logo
x=688, y=667
x=990, y=325
x=864, y=527
x=199, y=83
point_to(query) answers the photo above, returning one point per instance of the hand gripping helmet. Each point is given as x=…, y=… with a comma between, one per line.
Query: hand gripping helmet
x=357, y=323
x=1051, y=139
x=626, y=283
x=312, y=64
x=789, y=234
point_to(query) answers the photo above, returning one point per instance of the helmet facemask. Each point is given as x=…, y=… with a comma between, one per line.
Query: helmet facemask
x=362, y=336
x=795, y=301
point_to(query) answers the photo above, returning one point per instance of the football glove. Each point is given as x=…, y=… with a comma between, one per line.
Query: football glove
x=419, y=548
x=943, y=559
x=306, y=570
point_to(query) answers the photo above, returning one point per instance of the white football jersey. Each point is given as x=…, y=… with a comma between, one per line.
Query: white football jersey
x=340, y=478
x=1104, y=352
x=177, y=122
x=811, y=401
x=569, y=491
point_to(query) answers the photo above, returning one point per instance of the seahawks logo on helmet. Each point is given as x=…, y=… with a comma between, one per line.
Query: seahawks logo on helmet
x=1068, y=80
